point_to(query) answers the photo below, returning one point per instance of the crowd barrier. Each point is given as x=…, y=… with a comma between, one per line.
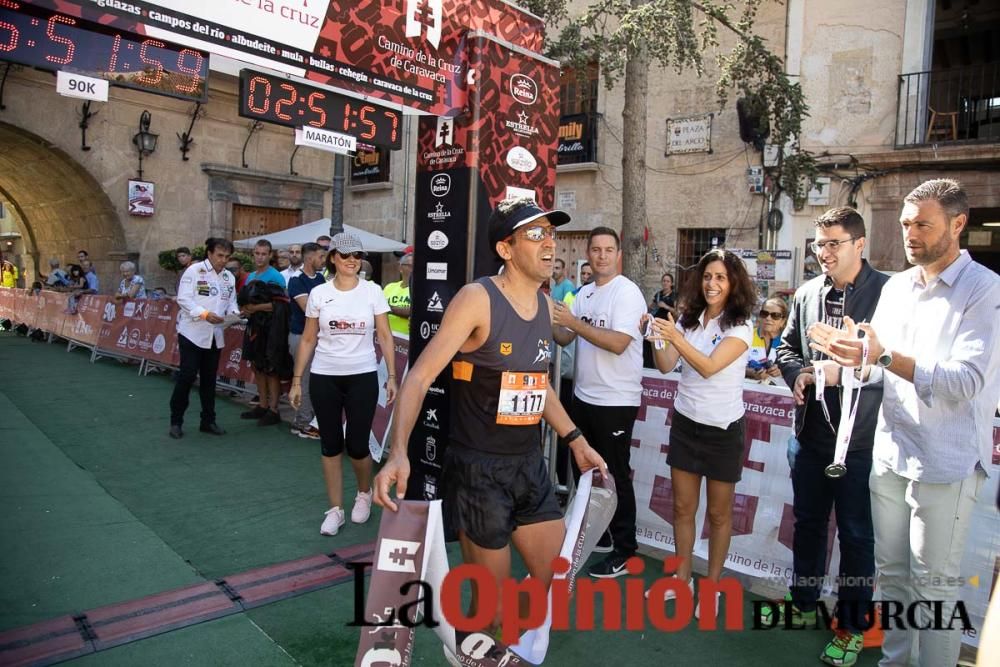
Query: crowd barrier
x=762, y=517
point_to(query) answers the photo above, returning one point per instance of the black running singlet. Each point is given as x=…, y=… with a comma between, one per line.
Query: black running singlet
x=498, y=391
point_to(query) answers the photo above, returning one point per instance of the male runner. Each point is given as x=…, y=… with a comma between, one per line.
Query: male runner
x=500, y=328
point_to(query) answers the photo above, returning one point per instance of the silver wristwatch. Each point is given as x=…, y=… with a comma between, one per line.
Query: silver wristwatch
x=885, y=359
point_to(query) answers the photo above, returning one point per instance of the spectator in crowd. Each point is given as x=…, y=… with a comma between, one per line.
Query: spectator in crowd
x=586, y=277
x=158, y=294
x=770, y=323
x=260, y=309
x=397, y=295
x=132, y=286
x=298, y=290
x=57, y=278
x=561, y=285
x=324, y=242
x=207, y=295
x=235, y=267
x=8, y=274
x=366, y=272
x=75, y=280
x=294, y=263
x=343, y=379
x=932, y=339
x=663, y=301
x=93, y=284
x=184, y=257
x=848, y=287
x=282, y=262
x=607, y=389
x=82, y=256
x=707, y=425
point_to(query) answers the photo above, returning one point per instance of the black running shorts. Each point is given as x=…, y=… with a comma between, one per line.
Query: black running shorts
x=487, y=496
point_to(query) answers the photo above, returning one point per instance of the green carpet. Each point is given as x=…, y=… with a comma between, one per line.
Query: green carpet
x=101, y=506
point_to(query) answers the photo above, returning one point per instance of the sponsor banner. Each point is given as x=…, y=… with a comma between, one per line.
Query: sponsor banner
x=407, y=52
x=232, y=366
x=762, y=508
x=370, y=166
x=84, y=325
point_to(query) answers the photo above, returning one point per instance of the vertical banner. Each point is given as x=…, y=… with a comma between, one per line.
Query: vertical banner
x=504, y=146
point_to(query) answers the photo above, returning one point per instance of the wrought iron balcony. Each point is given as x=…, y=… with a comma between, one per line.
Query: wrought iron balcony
x=950, y=106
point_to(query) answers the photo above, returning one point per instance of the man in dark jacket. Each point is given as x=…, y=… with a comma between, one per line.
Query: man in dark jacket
x=848, y=286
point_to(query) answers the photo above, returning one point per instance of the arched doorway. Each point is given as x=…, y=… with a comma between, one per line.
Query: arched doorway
x=58, y=204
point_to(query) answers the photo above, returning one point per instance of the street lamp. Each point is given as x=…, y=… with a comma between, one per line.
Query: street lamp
x=144, y=140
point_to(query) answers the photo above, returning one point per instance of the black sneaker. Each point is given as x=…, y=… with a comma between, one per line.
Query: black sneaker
x=604, y=545
x=270, y=418
x=609, y=568
x=254, y=413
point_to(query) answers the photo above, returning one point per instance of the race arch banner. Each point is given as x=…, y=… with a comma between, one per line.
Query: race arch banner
x=409, y=53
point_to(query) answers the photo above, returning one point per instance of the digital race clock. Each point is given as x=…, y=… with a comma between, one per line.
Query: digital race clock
x=52, y=41
x=276, y=99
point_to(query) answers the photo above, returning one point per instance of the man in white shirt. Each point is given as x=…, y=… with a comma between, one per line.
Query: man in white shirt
x=294, y=263
x=608, y=385
x=207, y=293
x=932, y=340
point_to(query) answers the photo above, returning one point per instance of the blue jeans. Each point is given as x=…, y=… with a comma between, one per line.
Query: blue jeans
x=815, y=495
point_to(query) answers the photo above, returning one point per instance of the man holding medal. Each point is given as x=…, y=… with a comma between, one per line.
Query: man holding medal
x=825, y=476
x=932, y=341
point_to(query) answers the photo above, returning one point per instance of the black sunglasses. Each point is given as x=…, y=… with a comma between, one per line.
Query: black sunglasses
x=772, y=314
x=356, y=255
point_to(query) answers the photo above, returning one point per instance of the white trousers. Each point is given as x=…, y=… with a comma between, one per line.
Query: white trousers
x=920, y=532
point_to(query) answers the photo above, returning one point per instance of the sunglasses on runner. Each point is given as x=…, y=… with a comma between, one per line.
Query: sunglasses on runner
x=538, y=233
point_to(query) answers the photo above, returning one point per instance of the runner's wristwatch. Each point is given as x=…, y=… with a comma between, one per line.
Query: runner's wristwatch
x=885, y=359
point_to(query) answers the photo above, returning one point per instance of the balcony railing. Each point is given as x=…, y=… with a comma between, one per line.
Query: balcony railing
x=949, y=106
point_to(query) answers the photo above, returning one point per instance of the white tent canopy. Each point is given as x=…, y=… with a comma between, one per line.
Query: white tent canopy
x=309, y=232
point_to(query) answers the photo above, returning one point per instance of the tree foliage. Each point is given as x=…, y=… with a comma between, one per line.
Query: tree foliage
x=679, y=35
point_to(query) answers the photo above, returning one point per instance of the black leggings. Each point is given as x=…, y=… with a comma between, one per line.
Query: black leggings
x=336, y=395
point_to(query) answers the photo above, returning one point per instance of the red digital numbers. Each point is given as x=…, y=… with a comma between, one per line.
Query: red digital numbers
x=363, y=116
x=194, y=71
x=321, y=122
x=150, y=78
x=12, y=39
x=394, y=118
x=50, y=30
x=285, y=101
x=255, y=82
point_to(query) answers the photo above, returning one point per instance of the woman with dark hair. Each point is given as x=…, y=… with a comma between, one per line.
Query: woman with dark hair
x=662, y=302
x=706, y=434
x=76, y=278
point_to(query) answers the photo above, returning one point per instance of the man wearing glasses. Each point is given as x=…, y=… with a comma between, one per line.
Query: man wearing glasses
x=607, y=389
x=497, y=335
x=848, y=286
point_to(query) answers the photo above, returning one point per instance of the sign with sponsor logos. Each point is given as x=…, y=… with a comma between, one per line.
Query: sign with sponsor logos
x=370, y=165
x=465, y=166
x=409, y=53
x=689, y=135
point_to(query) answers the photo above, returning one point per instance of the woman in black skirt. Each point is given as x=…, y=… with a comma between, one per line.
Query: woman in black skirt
x=706, y=435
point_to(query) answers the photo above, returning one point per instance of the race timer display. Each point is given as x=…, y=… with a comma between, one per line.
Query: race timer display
x=53, y=41
x=275, y=99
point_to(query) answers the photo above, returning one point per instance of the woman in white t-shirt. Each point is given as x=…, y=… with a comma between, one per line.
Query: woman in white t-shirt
x=707, y=427
x=342, y=317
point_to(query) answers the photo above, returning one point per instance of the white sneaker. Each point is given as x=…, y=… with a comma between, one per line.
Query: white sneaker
x=362, y=507
x=697, y=608
x=671, y=595
x=333, y=521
